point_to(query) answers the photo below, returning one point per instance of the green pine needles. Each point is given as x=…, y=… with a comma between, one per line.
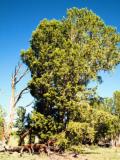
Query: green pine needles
x=64, y=56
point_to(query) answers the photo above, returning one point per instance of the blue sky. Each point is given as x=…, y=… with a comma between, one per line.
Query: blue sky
x=18, y=18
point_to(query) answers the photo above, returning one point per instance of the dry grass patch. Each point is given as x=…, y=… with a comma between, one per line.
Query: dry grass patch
x=89, y=154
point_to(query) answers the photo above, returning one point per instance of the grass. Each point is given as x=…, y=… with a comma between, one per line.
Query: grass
x=93, y=153
x=103, y=154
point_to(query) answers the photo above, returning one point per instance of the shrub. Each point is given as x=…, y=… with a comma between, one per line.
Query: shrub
x=80, y=133
x=76, y=149
x=105, y=125
x=62, y=142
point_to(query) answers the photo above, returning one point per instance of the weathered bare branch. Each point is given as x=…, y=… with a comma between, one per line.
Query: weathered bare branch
x=17, y=69
x=19, y=79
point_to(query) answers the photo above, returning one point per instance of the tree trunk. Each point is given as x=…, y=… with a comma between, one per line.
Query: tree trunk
x=12, y=109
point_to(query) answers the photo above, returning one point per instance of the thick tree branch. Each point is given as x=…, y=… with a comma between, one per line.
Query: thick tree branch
x=25, y=133
x=20, y=95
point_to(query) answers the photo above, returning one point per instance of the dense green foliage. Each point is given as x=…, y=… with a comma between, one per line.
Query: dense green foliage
x=64, y=56
x=80, y=133
x=43, y=127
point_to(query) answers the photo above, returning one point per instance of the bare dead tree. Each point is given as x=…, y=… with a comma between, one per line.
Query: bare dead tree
x=17, y=76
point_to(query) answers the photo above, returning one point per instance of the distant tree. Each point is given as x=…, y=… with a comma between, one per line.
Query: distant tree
x=64, y=55
x=23, y=124
x=21, y=119
x=2, y=124
x=105, y=124
x=109, y=105
x=116, y=99
x=20, y=123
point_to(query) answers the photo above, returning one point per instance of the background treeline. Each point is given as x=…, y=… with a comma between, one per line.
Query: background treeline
x=63, y=58
x=2, y=122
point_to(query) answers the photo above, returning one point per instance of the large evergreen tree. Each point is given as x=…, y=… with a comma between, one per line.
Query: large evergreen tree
x=64, y=55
